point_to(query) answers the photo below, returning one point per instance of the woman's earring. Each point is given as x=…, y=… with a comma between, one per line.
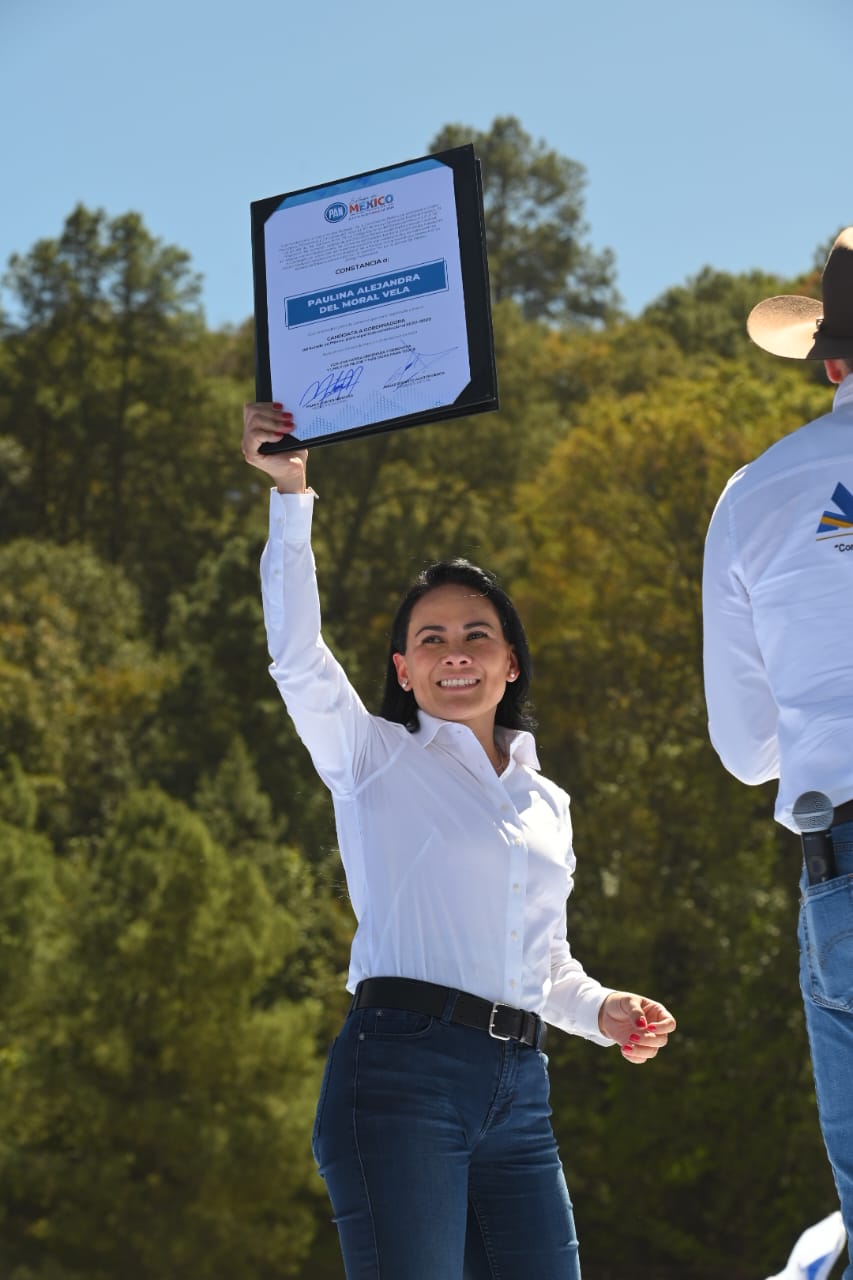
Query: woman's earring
x=404, y=684
x=513, y=675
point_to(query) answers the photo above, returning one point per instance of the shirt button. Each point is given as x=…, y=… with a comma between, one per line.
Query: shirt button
x=512, y=982
x=514, y=933
x=518, y=840
x=516, y=888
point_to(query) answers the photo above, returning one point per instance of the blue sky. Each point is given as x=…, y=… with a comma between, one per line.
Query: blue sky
x=711, y=134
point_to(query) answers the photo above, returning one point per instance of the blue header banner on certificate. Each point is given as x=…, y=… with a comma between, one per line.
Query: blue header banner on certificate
x=372, y=300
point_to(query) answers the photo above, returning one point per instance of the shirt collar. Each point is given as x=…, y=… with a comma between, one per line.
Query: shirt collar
x=520, y=744
x=843, y=393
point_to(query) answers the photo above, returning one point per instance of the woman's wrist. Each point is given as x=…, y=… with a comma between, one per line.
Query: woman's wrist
x=307, y=492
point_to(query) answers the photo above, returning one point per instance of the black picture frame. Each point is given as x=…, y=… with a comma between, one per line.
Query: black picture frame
x=481, y=393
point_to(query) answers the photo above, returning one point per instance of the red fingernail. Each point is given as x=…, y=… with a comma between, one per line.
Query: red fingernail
x=276, y=404
x=627, y=1048
x=634, y=1036
x=641, y=1022
x=651, y=1026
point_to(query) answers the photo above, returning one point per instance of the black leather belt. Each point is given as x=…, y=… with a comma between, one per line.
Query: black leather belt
x=843, y=813
x=502, y=1021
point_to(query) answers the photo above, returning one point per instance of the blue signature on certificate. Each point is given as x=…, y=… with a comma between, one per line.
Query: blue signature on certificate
x=417, y=362
x=335, y=386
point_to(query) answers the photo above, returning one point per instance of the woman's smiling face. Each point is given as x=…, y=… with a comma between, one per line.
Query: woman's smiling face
x=457, y=661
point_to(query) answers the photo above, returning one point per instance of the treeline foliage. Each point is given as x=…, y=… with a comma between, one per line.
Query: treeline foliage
x=173, y=920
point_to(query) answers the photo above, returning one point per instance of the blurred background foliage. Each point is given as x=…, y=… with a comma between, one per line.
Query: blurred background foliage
x=174, y=925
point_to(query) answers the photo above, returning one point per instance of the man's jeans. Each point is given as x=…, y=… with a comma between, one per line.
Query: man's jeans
x=435, y=1142
x=826, y=979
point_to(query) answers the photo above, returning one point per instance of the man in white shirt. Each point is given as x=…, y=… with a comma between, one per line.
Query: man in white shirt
x=778, y=613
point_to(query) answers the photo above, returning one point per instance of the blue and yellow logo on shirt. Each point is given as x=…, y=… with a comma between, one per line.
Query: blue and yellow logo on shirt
x=834, y=523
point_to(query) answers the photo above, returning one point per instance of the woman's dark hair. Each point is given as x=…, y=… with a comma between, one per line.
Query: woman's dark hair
x=512, y=711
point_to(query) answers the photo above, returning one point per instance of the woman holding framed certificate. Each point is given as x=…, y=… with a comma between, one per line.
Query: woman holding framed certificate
x=433, y=1128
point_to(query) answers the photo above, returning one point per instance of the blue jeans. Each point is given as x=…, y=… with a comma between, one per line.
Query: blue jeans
x=436, y=1146
x=826, y=979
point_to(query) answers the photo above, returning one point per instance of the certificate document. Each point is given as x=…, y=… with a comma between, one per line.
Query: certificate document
x=371, y=300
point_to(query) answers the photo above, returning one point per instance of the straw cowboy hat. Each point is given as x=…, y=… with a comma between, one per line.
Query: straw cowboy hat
x=803, y=328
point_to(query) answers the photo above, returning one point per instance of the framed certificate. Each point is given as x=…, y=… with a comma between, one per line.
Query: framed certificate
x=372, y=300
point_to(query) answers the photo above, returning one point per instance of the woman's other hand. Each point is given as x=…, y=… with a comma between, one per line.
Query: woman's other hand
x=269, y=422
x=641, y=1026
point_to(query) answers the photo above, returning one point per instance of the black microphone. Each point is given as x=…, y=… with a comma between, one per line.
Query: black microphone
x=813, y=813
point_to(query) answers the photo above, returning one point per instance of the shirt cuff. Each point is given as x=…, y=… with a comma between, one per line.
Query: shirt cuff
x=586, y=1015
x=290, y=516
x=583, y=1018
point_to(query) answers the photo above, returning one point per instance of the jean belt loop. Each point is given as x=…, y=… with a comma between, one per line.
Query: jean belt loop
x=356, y=1015
x=449, y=1006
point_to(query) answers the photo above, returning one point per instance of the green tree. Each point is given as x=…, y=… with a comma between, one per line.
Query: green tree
x=156, y=1119
x=28, y=905
x=240, y=816
x=706, y=317
x=79, y=689
x=108, y=417
x=539, y=255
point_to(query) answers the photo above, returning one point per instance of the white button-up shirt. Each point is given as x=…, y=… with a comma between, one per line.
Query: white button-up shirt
x=456, y=876
x=778, y=608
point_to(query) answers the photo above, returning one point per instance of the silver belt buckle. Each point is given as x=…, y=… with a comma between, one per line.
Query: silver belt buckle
x=492, y=1017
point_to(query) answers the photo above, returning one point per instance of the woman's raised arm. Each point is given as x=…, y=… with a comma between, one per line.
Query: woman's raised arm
x=344, y=740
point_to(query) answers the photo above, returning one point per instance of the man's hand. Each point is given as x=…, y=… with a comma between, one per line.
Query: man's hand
x=262, y=422
x=641, y=1026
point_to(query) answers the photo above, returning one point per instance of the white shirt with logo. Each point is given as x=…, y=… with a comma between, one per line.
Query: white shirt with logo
x=456, y=876
x=778, y=614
